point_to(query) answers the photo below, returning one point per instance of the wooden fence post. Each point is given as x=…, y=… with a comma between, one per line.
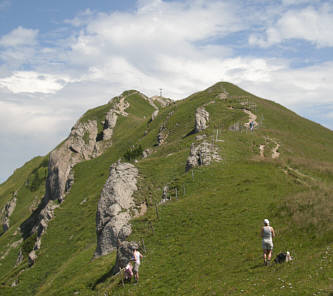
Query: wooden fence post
x=156, y=209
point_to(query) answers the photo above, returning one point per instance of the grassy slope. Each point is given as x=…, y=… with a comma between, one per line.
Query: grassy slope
x=206, y=242
x=26, y=197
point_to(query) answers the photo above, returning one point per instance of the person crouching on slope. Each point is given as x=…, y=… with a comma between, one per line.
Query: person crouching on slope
x=137, y=258
x=267, y=234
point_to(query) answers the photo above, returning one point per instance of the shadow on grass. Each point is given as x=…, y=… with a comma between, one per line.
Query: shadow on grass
x=257, y=266
x=102, y=279
x=192, y=132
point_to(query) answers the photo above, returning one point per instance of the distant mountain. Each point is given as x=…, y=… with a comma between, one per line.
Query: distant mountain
x=189, y=183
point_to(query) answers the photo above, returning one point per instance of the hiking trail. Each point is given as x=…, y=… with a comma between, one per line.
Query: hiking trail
x=252, y=117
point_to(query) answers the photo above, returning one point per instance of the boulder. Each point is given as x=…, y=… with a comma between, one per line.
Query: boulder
x=201, y=119
x=115, y=206
x=202, y=154
x=124, y=255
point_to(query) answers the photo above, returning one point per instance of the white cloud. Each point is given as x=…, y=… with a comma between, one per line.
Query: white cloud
x=18, y=37
x=33, y=82
x=181, y=47
x=311, y=24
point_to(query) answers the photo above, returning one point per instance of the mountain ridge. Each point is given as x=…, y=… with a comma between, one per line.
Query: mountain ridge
x=169, y=137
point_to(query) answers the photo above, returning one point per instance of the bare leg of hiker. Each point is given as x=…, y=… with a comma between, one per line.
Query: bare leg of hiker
x=265, y=257
x=269, y=256
x=136, y=272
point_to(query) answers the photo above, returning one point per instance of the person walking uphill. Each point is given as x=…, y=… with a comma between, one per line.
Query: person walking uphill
x=137, y=257
x=267, y=234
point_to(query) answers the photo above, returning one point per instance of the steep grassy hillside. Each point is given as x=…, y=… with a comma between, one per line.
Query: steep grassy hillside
x=205, y=240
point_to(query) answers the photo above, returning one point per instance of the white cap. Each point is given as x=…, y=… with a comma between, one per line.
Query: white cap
x=266, y=221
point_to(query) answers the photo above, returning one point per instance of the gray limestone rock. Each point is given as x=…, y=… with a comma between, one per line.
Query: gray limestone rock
x=154, y=115
x=112, y=117
x=82, y=144
x=147, y=152
x=202, y=154
x=32, y=258
x=7, y=212
x=164, y=132
x=114, y=207
x=162, y=135
x=124, y=255
x=201, y=119
x=79, y=146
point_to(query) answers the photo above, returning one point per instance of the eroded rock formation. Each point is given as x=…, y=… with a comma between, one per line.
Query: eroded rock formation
x=202, y=154
x=164, y=132
x=82, y=144
x=201, y=119
x=7, y=211
x=115, y=206
x=124, y=255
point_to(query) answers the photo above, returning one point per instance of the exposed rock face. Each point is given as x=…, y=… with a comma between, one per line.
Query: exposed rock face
x=163, y=101
x=112, y=116
x=7, y=212
x=164, y=132
x=162, y=135
x=114, y=207
x=82, y=144
x=147, y=152
x=124, y=255
x=201, y=119
x=203, y=154
x=154, y=115
x=165, y=194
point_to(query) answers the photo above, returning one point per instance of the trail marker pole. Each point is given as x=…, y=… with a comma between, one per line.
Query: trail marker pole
x=192, y=176
x=156, y=208
x=184, y=190
x=176, y=193
x=143, y=245
x=150, y=225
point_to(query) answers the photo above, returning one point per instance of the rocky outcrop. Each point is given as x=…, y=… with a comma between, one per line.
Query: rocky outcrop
x=161, y=100
x=112, y=116
x=147, y=152
x=7, y=211
x=82, y=144
x=162, y=135
x=202, y=154
x=201, y=119
x=164, y=132
x=114, y=207
x=165, y=194
x=154, y=115
x=124, y=255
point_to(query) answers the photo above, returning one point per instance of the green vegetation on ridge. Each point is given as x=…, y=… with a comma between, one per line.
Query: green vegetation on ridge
x=206, y=241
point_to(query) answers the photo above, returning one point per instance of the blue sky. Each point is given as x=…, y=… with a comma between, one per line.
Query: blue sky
x=60, y=58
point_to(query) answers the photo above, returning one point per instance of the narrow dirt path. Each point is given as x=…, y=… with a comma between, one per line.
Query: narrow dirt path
x=275, y=153
x=252, y=117
x=262, y=150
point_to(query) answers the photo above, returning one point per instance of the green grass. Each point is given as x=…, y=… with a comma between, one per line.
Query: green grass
x=207, y=241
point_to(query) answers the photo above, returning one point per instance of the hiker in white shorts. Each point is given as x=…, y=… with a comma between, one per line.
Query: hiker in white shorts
x=267, y=234
x=137, y=258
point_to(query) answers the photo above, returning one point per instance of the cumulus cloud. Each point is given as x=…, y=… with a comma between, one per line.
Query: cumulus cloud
x=18, y=37
x=180, y=46
x=311, y=24
x=33, y=82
